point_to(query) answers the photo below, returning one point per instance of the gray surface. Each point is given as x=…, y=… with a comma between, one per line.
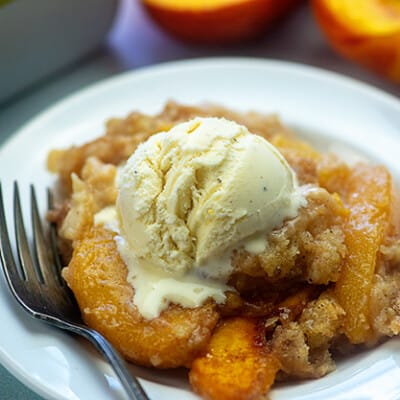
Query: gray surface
x=136, y=42
x=58, y=32
x=11, y=388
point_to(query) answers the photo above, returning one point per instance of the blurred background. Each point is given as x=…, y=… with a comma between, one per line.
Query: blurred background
x=52, y=48
x=100, y=38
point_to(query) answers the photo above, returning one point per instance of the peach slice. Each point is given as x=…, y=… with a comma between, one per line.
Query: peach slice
x=237, y=365
x=367, y=191
x=217, y=21
x=365, y=31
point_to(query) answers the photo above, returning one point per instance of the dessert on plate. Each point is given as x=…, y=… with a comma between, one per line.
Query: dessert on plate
x=215, y=240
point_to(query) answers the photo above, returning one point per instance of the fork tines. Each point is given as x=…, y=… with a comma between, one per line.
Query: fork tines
x=35, y=270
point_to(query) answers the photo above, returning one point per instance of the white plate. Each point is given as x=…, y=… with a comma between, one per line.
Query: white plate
x=330, y=109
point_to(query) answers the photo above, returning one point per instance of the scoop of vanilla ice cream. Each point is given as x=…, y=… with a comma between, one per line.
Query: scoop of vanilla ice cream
x=188, y=195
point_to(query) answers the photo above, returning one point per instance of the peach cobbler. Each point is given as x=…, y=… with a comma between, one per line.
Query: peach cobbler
x=218, y=241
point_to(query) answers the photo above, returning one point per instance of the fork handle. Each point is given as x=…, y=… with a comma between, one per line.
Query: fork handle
x=131, y=384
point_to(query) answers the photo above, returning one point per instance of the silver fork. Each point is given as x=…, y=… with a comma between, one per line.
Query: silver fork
x=35, y=281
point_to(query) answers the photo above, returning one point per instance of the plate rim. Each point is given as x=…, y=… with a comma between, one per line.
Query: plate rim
x=220, y=62
x=164, y=68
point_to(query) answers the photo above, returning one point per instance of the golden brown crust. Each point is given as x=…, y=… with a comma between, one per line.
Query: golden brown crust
x=123, y=135
x=302, y=346
x=309, y=248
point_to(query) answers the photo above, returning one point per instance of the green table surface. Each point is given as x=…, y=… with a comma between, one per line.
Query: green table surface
x=12, y=389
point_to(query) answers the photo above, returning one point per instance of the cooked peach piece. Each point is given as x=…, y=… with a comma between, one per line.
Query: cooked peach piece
x=367, y=192
x=97, y=276
x=237, y=365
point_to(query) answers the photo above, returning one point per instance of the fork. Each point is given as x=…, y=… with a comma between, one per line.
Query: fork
x=34, y=278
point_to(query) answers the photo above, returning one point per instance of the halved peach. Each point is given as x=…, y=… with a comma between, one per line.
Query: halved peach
x=217, y=21
x=365, y=31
